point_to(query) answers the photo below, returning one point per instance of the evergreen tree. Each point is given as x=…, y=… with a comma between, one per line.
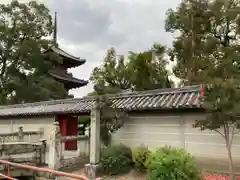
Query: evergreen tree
x=140, y=71
x=24, y=59
x=208, y=52
x=113, y=75
x=189, y=20
x=148, y=69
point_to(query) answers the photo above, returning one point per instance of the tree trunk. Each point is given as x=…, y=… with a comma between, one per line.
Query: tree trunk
x=230, y=161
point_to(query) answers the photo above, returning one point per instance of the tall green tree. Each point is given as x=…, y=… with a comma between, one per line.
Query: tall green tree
x=113, y=75
x=24, y=60
x=148, y=69
x=189, y=21
x=208, y=52
x=140, y=71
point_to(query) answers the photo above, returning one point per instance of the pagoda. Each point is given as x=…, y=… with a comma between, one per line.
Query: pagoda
x=60, y=72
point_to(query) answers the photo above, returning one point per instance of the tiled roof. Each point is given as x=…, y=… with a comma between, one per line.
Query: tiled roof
x=187, y=97
x=65, y=54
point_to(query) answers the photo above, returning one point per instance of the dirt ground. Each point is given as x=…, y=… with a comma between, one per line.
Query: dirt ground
x=131, y=176
x=217, y=164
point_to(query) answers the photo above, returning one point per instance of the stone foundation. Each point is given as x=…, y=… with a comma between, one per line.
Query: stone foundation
x=92, y=171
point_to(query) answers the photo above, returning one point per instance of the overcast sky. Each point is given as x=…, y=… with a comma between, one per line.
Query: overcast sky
x=87, y=28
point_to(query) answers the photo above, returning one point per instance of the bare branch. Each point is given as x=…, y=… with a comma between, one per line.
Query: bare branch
x=236, y=131
x=232, y=136
x=219, y=133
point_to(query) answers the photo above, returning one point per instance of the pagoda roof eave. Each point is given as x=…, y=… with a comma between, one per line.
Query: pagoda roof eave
x=77, y=81
x=61, y=52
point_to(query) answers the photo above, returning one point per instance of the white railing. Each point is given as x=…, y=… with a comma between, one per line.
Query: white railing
x=22, y=136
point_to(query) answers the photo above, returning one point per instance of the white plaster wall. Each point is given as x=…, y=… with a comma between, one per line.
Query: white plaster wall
x=207, y=142
x=28, y=124
x=6, y=126
x=156, y=131
x=151, y=131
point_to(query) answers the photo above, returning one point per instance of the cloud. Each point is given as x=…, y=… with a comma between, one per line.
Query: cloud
x=87, y=28
x=80, y=22
x=128, y=24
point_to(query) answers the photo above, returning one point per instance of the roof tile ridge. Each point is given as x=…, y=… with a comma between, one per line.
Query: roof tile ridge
x=136, y=94
x=74, y=57
x=112, y=96
x=32, y=104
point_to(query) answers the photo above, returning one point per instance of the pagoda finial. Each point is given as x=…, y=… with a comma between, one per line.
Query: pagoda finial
x=55, y=29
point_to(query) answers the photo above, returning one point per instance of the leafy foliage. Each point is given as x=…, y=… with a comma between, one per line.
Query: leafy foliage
x=140, y=71
x=83, y=122
x=222, y=104
x=140, y=156
x=117, y=160
x=148, y=69
x=111, y=118
x=211, y=31
x=113, y=75
x=172, y=164
x=24, y=66
x=222, y=101
x=207, y=30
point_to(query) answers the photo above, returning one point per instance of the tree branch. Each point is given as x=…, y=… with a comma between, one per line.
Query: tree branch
x=226, y=37
x=232, y=136
x=3, y=69
x=219, y=133
x=236, y=132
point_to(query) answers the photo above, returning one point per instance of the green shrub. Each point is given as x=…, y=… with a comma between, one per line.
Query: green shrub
x=170, y=163
x=140, y=156
x=117, y=159
x=83, y=122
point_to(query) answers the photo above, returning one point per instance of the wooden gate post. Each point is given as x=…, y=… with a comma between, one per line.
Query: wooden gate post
x=43, y=151
x=55, y=148
x=20, y=134
x=92, y=168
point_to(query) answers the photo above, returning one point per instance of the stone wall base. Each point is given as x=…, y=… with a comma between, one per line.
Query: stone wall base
x=92, y=171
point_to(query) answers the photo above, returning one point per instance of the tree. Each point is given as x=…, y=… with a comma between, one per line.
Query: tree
x=222, y=101
x=111, y=118
x=148, y=69
x=208, y=52
x=113, y=75
x=139, y=71
x=24, y=59
x=191, y=21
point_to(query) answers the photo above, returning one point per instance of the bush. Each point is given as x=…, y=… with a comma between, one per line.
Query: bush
x=117, y=159
x=172, y=164
x=140, y=156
